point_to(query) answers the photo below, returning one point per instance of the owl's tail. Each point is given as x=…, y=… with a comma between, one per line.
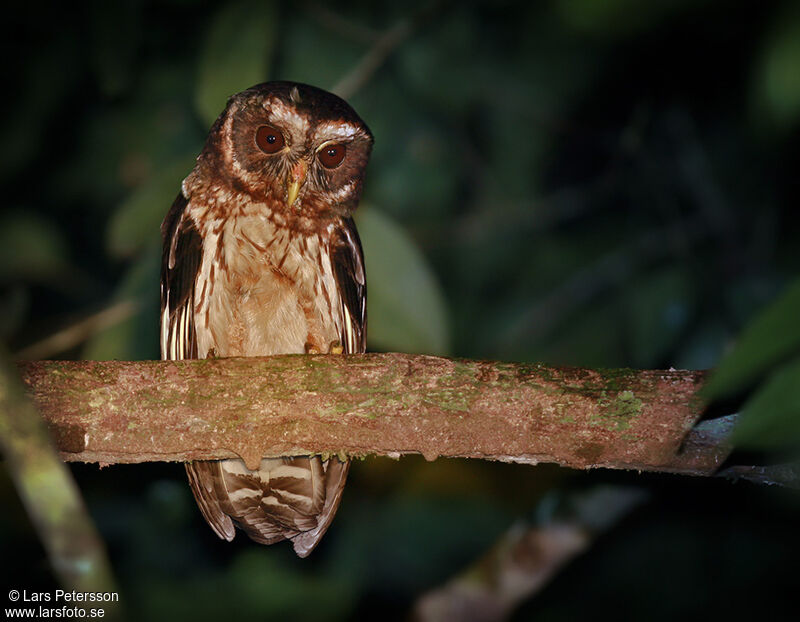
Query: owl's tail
x=284, y=499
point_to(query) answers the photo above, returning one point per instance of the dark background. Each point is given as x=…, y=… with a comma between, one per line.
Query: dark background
x=575, y=182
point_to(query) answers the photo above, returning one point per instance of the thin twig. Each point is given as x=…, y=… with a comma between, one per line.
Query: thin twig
x=376, y=56
x=526, y=557
x=75, y=334
x=341, y=25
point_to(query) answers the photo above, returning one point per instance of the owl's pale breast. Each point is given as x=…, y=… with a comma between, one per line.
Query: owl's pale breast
x=264, y=289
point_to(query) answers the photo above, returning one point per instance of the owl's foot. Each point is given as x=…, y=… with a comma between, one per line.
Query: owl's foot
x=311, y=348
x=335, y=347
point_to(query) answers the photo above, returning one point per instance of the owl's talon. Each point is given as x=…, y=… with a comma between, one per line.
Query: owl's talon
x=312, y=349
x=335, y=347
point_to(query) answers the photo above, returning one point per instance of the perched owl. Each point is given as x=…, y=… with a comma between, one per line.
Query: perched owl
x=261, y=256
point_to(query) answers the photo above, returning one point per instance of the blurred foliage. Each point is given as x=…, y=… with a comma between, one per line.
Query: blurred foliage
x=32, y=248
x=769, y=339
x=772, y=416
x=767, y=351
x=236, y=53
x=570, y=181
x=778, y=86
x=405, y=307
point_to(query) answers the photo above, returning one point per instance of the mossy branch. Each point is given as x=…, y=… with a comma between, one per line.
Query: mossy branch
x=383, y=404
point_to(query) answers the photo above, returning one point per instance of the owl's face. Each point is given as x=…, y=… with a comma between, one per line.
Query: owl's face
x=301, y=150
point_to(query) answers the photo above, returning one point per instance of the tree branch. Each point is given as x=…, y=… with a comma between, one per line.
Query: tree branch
x=75, y=334
x=382, y=48
x=527, y=557
x=385, y=404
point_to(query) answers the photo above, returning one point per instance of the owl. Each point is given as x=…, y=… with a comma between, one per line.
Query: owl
x=261, y=256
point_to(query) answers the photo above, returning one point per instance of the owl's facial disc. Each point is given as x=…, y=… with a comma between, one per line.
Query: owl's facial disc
x=294, y=181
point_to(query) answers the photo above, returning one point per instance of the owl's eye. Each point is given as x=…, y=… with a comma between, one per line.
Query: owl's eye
x=269, y=139
x=331, y=156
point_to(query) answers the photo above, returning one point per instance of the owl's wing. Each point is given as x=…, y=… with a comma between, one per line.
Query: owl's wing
x=180, y=261
x=347, y=262
x=347, y=259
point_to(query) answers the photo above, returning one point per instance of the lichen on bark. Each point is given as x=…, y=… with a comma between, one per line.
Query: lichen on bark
x=377, y=404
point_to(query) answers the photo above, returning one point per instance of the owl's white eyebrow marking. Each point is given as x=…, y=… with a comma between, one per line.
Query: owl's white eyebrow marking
x=336, y=129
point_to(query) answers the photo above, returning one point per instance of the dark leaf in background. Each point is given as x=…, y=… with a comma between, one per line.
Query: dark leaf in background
x=405, y=308
x=32, y=248
x=121, y=145
x=777, y=82
x=768, y=340
x=237, y=53
x=617, y=18
x=135, y=338
x=137, y=222
x=771, y=417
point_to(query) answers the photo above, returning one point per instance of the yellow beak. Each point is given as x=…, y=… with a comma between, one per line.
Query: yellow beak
x=294, y=181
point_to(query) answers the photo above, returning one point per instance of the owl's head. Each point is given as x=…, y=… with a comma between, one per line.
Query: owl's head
x=300, y=149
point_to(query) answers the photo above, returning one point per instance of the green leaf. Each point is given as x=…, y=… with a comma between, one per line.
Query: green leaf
x=778, y=79
x=31, y=247
x=615, y=17
x=771, y=418
x=120, y=147
x=420, y=176
x=135, y=338
x=236, y=54
x=137, y=221
x=770, y=338
x=405, y=306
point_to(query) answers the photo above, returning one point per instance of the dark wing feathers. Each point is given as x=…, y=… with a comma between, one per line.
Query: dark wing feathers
x=202, y=480
x=347, y=258
x=335, y=476
x=180, y=261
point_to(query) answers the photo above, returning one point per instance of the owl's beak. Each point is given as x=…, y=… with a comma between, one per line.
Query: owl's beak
x=294, y=181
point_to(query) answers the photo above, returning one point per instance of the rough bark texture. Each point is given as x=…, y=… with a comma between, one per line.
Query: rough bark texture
x=384, y=404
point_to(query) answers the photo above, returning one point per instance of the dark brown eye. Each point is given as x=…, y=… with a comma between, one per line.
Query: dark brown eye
x=331, y=156
x=269, y=140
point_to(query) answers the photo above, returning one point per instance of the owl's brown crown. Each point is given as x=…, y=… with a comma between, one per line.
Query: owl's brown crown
x=306, y=98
